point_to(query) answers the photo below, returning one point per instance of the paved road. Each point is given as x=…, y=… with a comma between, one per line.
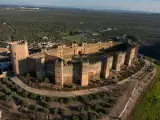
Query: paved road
x=75, y=93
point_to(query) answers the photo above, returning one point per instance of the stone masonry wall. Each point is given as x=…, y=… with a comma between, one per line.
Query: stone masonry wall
x=118, y=60
x=84, y=74
x=22, y=66
x=77, y=71
x=31, y=65
x=130, y=54
x=106, y=66
x=50, y=69
x=40, y=68
x=68, y=52
x=94, y=71
x=136, y=51
x=59, y=73
x=68, y=74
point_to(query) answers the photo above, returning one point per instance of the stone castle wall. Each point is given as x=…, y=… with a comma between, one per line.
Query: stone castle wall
x=40, y=68
x=94, y=71
x=106, y=66
x=77, y=71
x=130, y=54
x=59, y=73
x=68, y=74
x=84, y=74
x=68, y=52
x=118, y=61
x=52, y=64
x=23, y=66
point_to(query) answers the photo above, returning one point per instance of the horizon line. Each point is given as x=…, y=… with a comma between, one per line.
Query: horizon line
x=73, y=7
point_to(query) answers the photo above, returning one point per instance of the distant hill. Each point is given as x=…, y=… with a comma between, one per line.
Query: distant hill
x=44, y=7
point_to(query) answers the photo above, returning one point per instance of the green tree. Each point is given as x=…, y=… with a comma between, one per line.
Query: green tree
x=25, y=93
x=19, y=90
x=63, y=111
x=8, y=98
x=28, y=74
x=7, y=90
x=14, y=94
x=46, y=79
x=55, y=110
x=2, y=95
x=84, y=117
x=96, y=96
x=92, y=117
x=43, y=103
x=81, y=108
x=61, y=100
x=23, y=102
x=33, y=96
x=46, y=110
x=75, y=118
x=33, y=107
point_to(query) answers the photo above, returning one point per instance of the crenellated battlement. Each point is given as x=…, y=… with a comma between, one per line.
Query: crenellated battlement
x=58, y=61
x=85, y=61
x=84, y=66
x=94, y=62
x=23, y=59
x=18, y=43
x=68, y=65
x=37, y=53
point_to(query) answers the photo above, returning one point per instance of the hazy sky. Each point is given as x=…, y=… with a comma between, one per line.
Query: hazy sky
x=139, y=5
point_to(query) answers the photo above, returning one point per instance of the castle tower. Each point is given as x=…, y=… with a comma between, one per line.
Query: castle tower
x=40, y=68
x=59, y=72
x=106, y=66
x=130, y=54
x=18, y=51
x=118, y=60
x=84, y=73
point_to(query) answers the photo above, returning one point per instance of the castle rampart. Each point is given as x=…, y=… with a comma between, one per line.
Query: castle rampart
x=94, y=70
x=136, y=50
x=59, y=72
x=40, y=68
x=22, y=66
x=119, y=58
x=58, y=65
x=106, y=66
x=68, y=52
x=31, y=65
x=84, y=73
x=130, y=54
x=68, y=74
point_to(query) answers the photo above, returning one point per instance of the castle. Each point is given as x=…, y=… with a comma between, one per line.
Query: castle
x=92, y=62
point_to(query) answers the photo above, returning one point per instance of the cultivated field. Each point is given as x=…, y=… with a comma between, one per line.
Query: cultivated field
x=56, y=24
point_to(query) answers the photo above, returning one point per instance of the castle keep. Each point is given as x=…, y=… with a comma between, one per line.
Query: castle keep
x=72, y=64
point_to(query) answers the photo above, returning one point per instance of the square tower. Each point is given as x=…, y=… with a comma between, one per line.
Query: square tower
x=118, y=60
x=18, y=52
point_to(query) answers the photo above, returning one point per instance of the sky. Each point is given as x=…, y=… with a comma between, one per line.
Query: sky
x=133, y=5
